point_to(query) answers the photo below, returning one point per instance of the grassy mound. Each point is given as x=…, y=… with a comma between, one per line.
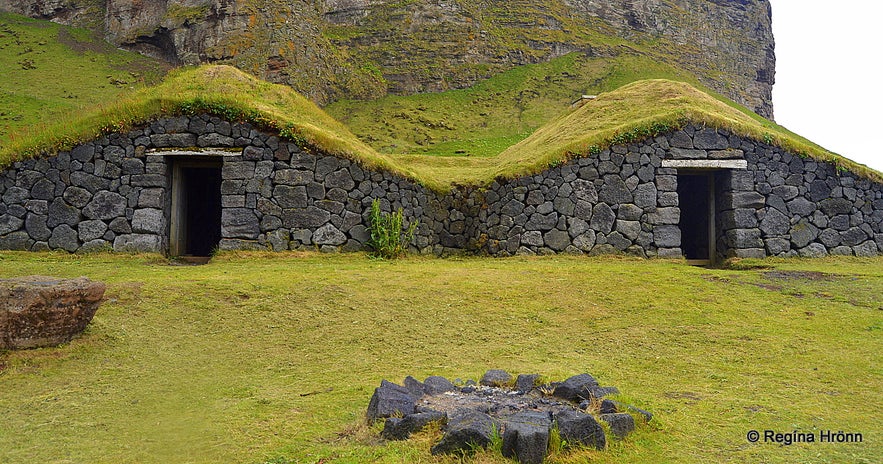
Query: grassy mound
x=632, y=112
x=647, y=108
x=221, y=90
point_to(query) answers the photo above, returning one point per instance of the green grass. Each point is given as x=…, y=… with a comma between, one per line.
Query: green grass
x=50, y=70
x=273, y=357
x=494, y=114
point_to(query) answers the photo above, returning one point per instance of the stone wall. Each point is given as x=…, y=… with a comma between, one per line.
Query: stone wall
x=115, y=193
x=806, y=208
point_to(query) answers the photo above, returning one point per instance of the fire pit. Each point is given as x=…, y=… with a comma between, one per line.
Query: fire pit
x=521, y=410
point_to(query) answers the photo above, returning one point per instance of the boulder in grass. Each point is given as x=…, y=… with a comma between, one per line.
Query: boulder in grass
x=496, y=378
x=609, y=407
x=397, y=428
x=621, y=424
x=436, y=384
x=40, y=311
x=526, y=436
x=390, y=400
x=599, y=392
x=466, y=431
x=524, y=383
x=576, y=388
x=581, y=428
x=415, y=386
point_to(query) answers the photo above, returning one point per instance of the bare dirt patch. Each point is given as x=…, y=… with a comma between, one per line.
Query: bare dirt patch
x=687, y=397
x=95, y=45
x=814, y=276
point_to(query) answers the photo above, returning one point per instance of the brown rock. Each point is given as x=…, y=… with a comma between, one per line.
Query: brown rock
x=39, y=311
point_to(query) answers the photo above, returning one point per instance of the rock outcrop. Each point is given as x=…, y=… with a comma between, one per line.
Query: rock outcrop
x=39, y=311
x=365, y=48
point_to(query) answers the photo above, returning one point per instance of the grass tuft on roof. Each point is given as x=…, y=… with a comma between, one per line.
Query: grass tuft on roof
x=630, y=113
x=645, y=109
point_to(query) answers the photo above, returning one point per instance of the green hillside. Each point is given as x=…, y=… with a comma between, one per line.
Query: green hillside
x=487, y=118
x=50, y=70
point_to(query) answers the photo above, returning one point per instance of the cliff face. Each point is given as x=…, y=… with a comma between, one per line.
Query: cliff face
x=727, y=43
x=329, y=49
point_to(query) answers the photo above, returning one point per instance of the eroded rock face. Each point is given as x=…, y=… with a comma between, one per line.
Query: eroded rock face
x=734, y=36
x=38, y=311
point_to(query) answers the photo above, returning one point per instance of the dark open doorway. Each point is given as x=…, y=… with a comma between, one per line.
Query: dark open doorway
x=696, y=201
x=196, y=208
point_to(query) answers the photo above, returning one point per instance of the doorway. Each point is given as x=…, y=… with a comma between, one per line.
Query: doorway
x=697, y=222
x=196, y=208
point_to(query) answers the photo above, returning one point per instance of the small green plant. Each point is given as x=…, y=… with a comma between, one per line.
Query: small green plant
x=557, y=445
x=496, y=443
x=389, y=238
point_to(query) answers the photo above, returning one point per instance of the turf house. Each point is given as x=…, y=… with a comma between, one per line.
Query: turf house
x=679, y=175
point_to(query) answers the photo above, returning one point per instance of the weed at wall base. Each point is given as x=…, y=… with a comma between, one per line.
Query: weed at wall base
x=389, y=239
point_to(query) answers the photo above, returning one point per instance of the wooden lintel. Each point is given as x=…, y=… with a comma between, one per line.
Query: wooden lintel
x=705, y=164
x=191, y=152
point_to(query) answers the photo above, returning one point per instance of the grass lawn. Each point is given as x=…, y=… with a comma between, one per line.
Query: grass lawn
x=260, y=358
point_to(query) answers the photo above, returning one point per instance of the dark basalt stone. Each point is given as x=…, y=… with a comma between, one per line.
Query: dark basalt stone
x=466, y=431
x=524, y=383
x=522, y=417
x=435, y=385
x=495, y=378
x=621, y=424
x=526, y=436
x=579, y=428
x=401, y=428
x=415, y=387
x=390, y=400
x=576, y=388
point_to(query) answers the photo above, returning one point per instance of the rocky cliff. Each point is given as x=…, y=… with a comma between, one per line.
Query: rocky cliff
x=330, y=49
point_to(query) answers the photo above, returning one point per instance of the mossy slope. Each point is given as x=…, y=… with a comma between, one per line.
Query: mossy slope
x=632, y=112
x=487, y=118
x=48, y=70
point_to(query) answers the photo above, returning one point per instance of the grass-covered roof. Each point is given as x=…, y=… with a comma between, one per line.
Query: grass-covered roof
x=629, y=113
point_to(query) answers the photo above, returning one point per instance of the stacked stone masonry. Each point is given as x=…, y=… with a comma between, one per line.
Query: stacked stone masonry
x=116, y=193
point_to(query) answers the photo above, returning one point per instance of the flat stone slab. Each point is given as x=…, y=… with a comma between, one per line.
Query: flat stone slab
x=40, y=311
